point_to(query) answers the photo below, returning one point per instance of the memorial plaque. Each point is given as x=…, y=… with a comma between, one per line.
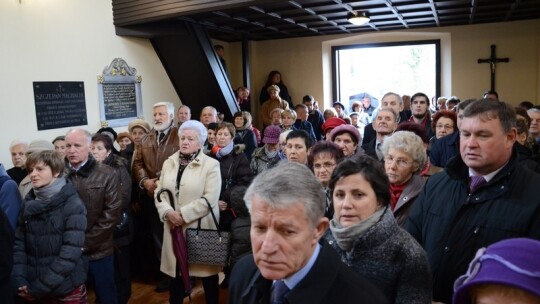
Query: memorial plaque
x=120, y=100
x=59, y=104
x=119, y=90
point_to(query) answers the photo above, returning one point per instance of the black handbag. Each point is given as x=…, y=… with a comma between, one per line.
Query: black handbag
x=208, y=246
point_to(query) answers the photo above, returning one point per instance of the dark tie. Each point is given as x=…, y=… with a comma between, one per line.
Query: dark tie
x=476, y=182
x=161, y=136
x=280, y=290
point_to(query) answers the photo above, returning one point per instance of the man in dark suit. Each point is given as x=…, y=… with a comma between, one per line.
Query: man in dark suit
x=288, y=264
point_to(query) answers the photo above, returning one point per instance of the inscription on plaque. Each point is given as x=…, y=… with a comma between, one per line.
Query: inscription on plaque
x=120, y=100
x=119, y=91
x=59, y=104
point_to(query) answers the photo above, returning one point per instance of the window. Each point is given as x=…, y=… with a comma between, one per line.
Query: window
x=375, y=69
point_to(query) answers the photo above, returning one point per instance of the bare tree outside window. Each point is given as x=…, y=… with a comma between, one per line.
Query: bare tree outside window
x=374, y=69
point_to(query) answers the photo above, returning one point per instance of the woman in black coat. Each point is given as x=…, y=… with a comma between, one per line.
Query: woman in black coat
x=235, y=171
x=102, y=150
x=274, y=78
x=48, y=261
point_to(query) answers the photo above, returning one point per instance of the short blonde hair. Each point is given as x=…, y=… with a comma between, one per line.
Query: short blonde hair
x=290, y=113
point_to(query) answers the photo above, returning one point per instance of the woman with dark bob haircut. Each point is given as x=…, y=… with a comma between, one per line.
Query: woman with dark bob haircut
x=48, y=264
x=366, y=235
x=323, y=158
x=443, y=123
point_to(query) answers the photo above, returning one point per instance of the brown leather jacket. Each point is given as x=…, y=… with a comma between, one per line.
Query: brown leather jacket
x=99, y=188
x=149, y=157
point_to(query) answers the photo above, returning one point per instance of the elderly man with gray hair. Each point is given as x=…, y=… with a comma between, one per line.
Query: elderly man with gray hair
x=156, y=146
x=17, y=149
x=389, y=100
x=289, y=264
x=98, y=186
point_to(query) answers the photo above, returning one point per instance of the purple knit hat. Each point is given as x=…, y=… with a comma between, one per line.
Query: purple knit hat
x=512, y=262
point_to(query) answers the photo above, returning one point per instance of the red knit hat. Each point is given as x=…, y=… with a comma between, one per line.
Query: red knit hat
x=331, y=123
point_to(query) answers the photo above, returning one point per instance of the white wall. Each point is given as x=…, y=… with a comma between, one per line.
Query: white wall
x=65, y=40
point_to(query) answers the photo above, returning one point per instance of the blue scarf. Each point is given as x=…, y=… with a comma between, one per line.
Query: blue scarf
x=225, y=150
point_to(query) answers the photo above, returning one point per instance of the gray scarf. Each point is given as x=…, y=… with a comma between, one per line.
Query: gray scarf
x=345, y=237
x=45, y=193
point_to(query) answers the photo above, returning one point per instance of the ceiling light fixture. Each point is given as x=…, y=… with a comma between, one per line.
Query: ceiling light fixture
x=358, y=18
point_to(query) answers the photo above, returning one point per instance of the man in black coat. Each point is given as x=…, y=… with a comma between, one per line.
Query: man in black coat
x=315, y=116
x=288, y=264
x=389, y=100
x=483, y=196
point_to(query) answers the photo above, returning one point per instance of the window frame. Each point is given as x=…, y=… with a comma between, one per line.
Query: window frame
x=335, y=63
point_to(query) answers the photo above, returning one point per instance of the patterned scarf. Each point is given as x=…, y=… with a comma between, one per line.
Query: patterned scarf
x=184, y=161
x=270, y=154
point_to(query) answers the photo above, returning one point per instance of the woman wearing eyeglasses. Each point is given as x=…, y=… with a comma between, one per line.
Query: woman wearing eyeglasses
x=443, y=123
x=404, y=157
x=323, y=157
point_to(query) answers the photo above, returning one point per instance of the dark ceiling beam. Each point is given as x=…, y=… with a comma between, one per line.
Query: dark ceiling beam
x=320, y=16
x=271, y=14
x=513, y=7
x=474, y=4
x=434, y=11
x=396, y=13
x=288, y=20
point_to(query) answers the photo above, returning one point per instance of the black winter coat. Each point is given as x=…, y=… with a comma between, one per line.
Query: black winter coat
x=452, y=224
x=123, y=233
x=48, y=244
x=247, y=138
x=235, y=171
x=241, y=241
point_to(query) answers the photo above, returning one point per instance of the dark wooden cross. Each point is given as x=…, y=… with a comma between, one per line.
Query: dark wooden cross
x=493, y=60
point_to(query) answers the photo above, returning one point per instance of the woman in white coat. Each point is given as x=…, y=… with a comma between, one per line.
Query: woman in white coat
x=190, y=175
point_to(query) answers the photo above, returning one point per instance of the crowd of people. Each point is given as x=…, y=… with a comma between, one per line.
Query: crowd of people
x=399, y=201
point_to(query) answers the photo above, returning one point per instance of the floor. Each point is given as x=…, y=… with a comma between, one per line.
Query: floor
x=143, y=293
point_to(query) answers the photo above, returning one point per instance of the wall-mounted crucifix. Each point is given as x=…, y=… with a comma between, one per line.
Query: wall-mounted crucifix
x=493, y=60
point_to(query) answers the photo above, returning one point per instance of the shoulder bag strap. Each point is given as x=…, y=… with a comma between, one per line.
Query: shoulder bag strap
x=213, y=217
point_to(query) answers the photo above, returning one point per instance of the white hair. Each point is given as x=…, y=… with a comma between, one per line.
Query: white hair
x=17, y=142
x=86, y=133
x=169, y=105
x=196, y=126
x=214, y=111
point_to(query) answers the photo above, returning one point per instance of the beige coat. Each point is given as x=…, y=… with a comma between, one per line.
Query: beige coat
x=267, y=108
x=200, y=178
